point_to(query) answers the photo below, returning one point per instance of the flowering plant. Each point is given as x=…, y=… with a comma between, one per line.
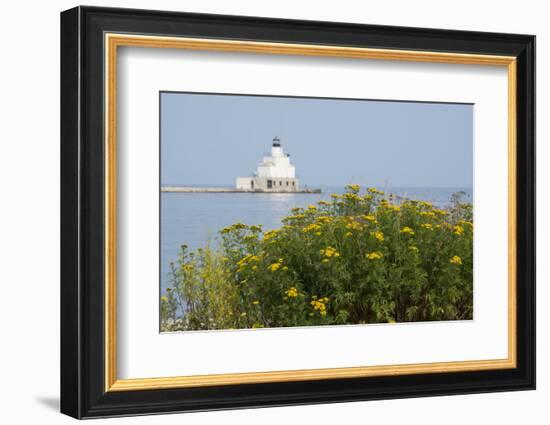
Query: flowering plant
x=360, y=258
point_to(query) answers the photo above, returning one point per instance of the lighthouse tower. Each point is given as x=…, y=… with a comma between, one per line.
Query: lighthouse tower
x=274, y=174
x=277, y=165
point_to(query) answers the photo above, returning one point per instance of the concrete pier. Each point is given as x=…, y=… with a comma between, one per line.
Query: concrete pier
x=186, y=189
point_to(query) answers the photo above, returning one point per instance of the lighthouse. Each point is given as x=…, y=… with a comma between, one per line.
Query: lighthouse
x=274, y=174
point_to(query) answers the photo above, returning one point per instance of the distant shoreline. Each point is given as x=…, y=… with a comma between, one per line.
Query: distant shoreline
x=185, y=189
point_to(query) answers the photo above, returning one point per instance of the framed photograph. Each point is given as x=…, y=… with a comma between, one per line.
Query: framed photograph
x=261, y=212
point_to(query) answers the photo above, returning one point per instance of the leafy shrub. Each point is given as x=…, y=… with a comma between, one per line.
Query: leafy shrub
x=360, y=258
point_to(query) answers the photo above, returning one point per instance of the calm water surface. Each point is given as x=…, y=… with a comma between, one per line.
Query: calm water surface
x=195, y=218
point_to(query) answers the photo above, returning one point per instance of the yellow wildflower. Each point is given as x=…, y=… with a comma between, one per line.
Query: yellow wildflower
x=236, y=226
x=243, y=314
x=353, y=225
x=427, y=214
x=256, y=302
x=376, y=255
x=312, y=228
x=319, y=304
x=324, y=219
x=458, y=230
x=407, y=230
x=456, y=260
x=348, y=234
x=329, y=252
x=368, y=217
x=351, y=196
x=274, y=267
x=291, y=292
x=375, y=191
x=378, y=235
x=428, y=226
x=270, y=234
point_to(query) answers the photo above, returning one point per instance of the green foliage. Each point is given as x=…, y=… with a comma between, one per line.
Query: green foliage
x=361, y=258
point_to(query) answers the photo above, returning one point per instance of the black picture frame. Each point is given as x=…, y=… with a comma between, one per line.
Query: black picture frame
x=83, y=392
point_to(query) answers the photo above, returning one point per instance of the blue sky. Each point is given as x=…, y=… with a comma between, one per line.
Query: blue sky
x=210, y=139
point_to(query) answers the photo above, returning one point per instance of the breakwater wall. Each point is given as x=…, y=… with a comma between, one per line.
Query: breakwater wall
x=185, y=189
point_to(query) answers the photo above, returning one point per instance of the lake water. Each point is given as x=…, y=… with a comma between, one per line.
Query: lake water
x=194, y=218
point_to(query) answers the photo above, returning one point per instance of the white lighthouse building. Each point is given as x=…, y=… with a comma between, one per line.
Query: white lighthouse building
x=274, y=174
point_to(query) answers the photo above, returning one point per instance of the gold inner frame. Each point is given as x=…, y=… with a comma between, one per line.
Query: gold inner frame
x=113, y=41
